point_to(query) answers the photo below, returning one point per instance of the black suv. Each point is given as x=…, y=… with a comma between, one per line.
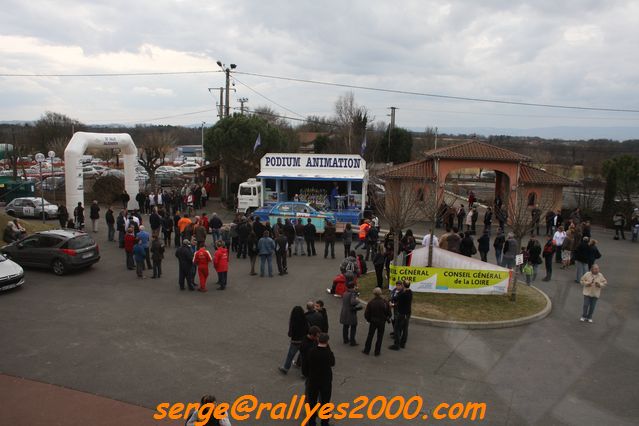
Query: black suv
x=60, y=250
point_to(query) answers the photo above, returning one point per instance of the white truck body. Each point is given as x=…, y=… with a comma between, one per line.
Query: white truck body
x=249, y=196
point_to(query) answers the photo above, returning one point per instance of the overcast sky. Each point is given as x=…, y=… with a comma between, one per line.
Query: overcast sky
x=569, y=52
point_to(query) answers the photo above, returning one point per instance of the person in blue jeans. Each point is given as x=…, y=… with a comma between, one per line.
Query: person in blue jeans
x=139, y=254
x=265, y=249
x=297, y=330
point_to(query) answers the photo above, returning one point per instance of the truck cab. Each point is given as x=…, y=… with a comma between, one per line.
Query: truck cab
x=249, y=196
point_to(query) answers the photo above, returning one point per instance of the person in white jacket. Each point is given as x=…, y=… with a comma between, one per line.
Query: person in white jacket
x=196, y=417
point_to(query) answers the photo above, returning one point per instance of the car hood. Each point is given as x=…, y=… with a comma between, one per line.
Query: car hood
x=9, y=267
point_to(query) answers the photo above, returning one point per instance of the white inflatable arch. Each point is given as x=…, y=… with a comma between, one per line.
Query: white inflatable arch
x=73, y=175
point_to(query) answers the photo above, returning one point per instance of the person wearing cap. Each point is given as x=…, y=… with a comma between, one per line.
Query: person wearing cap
x=403, y=305
x=377, y=313
x=185, y=264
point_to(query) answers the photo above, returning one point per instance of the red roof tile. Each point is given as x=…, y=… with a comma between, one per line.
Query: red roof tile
x=476, y=150
x=529, y=175
x=422, y=169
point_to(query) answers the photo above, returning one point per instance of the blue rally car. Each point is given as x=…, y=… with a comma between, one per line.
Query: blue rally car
x=295, y=212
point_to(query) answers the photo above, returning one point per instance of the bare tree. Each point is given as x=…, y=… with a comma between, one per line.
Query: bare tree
x=588, y=195
x=351, y=119
x=521, y=220
x=153, y=151
x=402, y=205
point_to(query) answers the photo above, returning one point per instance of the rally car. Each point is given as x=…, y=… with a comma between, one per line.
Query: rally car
x=295, y=212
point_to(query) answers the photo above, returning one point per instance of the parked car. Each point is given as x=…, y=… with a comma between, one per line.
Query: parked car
x=114, y=172
x=61, y=250
x=100, y=169
x=169, y=170
x=90, y=171
x=31, y=207
x=295, y=212
x=53, y=182
x=188, y=167
x=11, y=274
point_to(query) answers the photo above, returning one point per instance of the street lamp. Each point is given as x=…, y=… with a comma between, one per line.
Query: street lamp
x=51, y=154
x=203, y=123
x=227, y=71
x=40, y=159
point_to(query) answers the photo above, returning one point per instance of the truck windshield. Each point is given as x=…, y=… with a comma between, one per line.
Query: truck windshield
x=245, y=190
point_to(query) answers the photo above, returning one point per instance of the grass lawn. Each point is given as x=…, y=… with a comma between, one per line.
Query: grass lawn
x=463, y=307
x=30, y=225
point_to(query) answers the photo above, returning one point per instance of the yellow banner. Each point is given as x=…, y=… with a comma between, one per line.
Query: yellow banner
x=446, y=280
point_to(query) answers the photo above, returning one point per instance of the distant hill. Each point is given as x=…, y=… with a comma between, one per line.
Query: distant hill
x=561, y=132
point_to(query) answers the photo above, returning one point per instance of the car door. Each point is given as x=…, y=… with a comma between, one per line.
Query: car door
x=26, y=251
x=17, y=207
x=28, y=208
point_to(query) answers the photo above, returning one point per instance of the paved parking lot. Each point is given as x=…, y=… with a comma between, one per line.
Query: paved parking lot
x=104, y=332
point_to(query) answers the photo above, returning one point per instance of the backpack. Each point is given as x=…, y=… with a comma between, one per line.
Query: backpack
x=373, y=234
x=527, y=269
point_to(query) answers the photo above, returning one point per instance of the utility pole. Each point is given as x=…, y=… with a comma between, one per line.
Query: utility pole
x=435, y=137
x=242, y=101
x=220, y=110
x=390, y=130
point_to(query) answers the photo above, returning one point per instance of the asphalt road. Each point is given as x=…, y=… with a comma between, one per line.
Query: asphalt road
x=105, y=332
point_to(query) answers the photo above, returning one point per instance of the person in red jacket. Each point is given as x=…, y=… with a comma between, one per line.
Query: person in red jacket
x=221, y=264
x=129, y=243
x=201, y=259
x=204, y=221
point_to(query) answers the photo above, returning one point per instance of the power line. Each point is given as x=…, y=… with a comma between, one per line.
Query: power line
x=304, y=120
x=267, y=98
x=440, y=96
x=120, y=74
x=162, y=118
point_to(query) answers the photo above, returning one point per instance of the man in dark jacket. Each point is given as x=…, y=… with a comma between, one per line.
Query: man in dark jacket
x=403, y=304
x=309, y=237
x=110, y=221
x=308, y=342
x=216, y=225
x=289, y=231
x=467, y=245
x=488, y=220
x=243, y=231
x=94, y=215
x=329, y=239
x=461, y=215
x=121, y=227
x=319, y=382
x=377, y=313
x=312, y=316
x=483, y=244
x=125, y=197
x=184, y=255
x=155, y=220
x=281, y=245
x=141, y=199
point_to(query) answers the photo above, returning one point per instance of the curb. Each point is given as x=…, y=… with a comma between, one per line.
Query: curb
x=486, y=325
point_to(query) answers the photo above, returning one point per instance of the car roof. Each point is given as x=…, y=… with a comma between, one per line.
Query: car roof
x=65, y=233
x=29, y=198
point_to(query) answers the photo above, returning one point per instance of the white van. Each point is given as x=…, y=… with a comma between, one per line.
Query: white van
x=249, y=196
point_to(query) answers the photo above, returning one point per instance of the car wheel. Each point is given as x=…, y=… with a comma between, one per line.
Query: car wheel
x=11, y=213
x=58, y=267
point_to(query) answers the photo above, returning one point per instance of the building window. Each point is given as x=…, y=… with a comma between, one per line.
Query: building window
x=532, y=199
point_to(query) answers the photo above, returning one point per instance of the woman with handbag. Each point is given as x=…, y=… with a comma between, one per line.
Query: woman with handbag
x=348, y=315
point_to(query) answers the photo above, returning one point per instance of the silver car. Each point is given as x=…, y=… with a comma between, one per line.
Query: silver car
x=31, y=207
x=11, y=274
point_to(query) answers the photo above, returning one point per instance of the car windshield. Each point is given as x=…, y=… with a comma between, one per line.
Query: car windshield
x=245, y=190
x=80, y=242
